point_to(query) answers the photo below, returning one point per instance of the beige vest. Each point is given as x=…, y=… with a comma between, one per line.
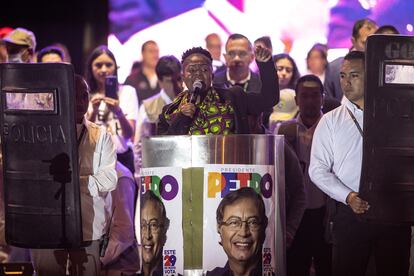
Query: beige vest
x=153, y=108
x=87, y=149
x=93, y=224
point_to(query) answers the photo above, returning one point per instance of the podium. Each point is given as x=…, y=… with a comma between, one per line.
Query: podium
x=191, y=174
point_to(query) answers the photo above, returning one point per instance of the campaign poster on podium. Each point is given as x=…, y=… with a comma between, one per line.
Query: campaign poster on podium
x=219, y=181
x=166, y=233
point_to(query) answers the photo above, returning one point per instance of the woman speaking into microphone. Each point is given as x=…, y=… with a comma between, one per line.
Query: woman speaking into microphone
x=204, y=109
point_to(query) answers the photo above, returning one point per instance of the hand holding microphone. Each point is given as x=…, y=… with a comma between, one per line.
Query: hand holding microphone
x=188, y=109
x=197, y=87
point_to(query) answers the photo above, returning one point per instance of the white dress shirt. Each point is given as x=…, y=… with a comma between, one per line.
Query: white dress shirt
x=243, y=81
x=336, y=155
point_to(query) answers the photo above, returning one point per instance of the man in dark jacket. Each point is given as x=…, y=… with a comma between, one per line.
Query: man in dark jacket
x=239, y=55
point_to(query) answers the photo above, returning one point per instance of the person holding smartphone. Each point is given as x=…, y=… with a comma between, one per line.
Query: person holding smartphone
x=116, y=107
x=112, y=105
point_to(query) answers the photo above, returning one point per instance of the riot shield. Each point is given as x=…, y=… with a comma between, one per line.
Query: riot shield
x=387, y=180
x=40, y=159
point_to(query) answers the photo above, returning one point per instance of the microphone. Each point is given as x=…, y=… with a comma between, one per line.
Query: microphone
x=197, y=86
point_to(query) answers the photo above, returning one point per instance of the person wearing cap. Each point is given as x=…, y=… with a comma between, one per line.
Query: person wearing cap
x=308, y=242
x=21, y=45
x=285, y=110
x=3, y=50
x=288, y=74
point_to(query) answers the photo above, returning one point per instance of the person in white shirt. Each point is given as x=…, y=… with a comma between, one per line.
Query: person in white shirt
x=335, y=167
x=98, y=177
x=168, y=71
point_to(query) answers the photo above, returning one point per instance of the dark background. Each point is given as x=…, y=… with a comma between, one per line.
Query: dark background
x=80, y=25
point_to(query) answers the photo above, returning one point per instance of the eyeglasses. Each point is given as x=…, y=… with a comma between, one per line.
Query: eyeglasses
x=196, y=68
x=236, y=223
x=233, y=54
x=287, y=69
x=152, y=226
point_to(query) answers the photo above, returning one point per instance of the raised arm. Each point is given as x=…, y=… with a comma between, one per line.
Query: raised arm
x=269, y=96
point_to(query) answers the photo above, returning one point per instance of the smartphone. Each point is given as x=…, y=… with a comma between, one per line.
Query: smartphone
x=111, y=87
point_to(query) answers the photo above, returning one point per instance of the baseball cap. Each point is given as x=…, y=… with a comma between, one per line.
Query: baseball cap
x=286, y=109
x=21, y=36
x=5, y=31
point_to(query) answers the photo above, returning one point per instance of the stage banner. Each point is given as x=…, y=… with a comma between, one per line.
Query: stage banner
x=220, y=180
x=166, y=184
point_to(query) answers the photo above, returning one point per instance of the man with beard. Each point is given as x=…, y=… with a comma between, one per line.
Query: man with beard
x=204, y=109
x=241, y=224
x=154, y=226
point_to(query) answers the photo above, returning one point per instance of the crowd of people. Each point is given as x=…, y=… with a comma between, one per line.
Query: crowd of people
x=320, y=114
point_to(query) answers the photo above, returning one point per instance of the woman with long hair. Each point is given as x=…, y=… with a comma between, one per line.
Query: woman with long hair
x=288, y=75
x=287, y=71
x=316, y=60
x=118, y=113
x=117, y=110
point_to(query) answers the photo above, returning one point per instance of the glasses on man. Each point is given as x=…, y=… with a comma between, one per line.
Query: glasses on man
x=236, y=223
x=194, y=68
x=287, y=69
x=152, y=226
x=240, y=54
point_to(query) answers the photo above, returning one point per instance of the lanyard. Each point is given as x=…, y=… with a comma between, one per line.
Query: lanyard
x=356, y=122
